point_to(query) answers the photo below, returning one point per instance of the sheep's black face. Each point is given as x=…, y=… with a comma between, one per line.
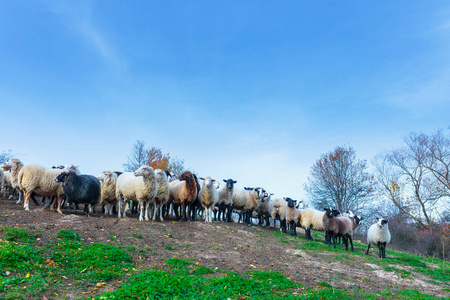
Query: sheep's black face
x=336, y=212
x=61, y=177
x=383, y=222
x=230, y=183
x=290, y=201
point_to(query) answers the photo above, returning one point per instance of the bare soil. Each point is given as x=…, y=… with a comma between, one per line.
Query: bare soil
x=227, y=246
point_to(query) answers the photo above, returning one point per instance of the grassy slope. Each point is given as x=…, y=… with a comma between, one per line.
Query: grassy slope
x=65, y=264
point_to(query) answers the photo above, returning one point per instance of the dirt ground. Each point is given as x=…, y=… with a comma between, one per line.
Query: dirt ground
x=228, y=246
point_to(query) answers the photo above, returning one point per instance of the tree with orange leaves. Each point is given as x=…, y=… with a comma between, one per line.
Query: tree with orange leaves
x=154, y=157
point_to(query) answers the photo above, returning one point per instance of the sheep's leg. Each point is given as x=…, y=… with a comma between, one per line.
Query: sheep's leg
x=334, y=240
x=147, y=211
x=283, y=225
x=141, y=211
x=34, y=199
x=59, y=205
x=384, y=250
x=183, y=212
x=26, y=201
x=351, y=243
x=119, y=206
x=161, y=212
x=367, y=251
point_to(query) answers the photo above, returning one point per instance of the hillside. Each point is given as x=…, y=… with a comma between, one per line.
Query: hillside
x=222, y=248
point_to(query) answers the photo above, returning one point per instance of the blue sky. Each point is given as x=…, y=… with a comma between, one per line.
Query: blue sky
x=250, y=90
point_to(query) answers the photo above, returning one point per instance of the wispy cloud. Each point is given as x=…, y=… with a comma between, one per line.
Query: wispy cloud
x=77, y=17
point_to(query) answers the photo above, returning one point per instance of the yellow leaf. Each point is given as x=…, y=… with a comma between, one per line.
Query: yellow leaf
x=28, y=275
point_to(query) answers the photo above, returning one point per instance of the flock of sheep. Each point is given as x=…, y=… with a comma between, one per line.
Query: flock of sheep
x=147, y=189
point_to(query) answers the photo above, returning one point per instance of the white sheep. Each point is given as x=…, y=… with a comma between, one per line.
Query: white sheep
x=41, y=180
x=7, y=184
x=140, y=186
x=263, y=210
x=310, y=219
x=277, y=209
x=108, y=198
x=163, y=193
x=291, y=214
x=208, y=197
x=226, y=199
x=16, y=165
x=247, y=200
x=378, y=234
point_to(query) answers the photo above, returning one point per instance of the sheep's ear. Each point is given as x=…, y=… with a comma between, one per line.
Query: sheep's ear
x=213, y=180
x=201, y=178
x=234, y=181
x=271, y=194
x=224, y=180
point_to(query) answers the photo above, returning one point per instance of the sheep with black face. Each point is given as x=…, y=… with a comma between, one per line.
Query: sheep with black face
x=378, y=234
x=291, y=214
x=226, y=200
x=80, y=188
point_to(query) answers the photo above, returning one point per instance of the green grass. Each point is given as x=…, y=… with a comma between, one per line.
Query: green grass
x=29, y=270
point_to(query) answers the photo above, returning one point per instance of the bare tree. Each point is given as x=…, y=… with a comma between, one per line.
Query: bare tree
x=137, y=158
x=339, y=179
x=176, y=166
x=5, y=156
x=405, y=178
x=153, y=157
x=437, y=147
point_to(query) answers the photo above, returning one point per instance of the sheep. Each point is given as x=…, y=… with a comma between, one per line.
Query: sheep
x=247, y=200
x=310, y=219
x=7, y=183
x=262, y=210
x=80, y=189
x=163, y=193
x=332, y=225
x=291, y=214
x=277, y=208
x=16, y=165
x=356, y=220
x=108, y=198
x=208, y=197
x=226, y=199
x=140, y=186
x=196, y=205
x=378, y=234
x=40, y=180
x=183, y=192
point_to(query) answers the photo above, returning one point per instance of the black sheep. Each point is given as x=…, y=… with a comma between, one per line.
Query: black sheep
x=80, y=188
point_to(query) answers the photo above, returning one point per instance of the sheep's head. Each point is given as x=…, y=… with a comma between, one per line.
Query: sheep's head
x=358, y=219
x=143, y=171
x=266, y=196
x=332, y=212
x=230, y=183
x=107, y=176
x=160, y=174
x=60, y=167
x=13, y=162
x=382, y=222
x=62, y=177
x=291, y=202
x=208, y=181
